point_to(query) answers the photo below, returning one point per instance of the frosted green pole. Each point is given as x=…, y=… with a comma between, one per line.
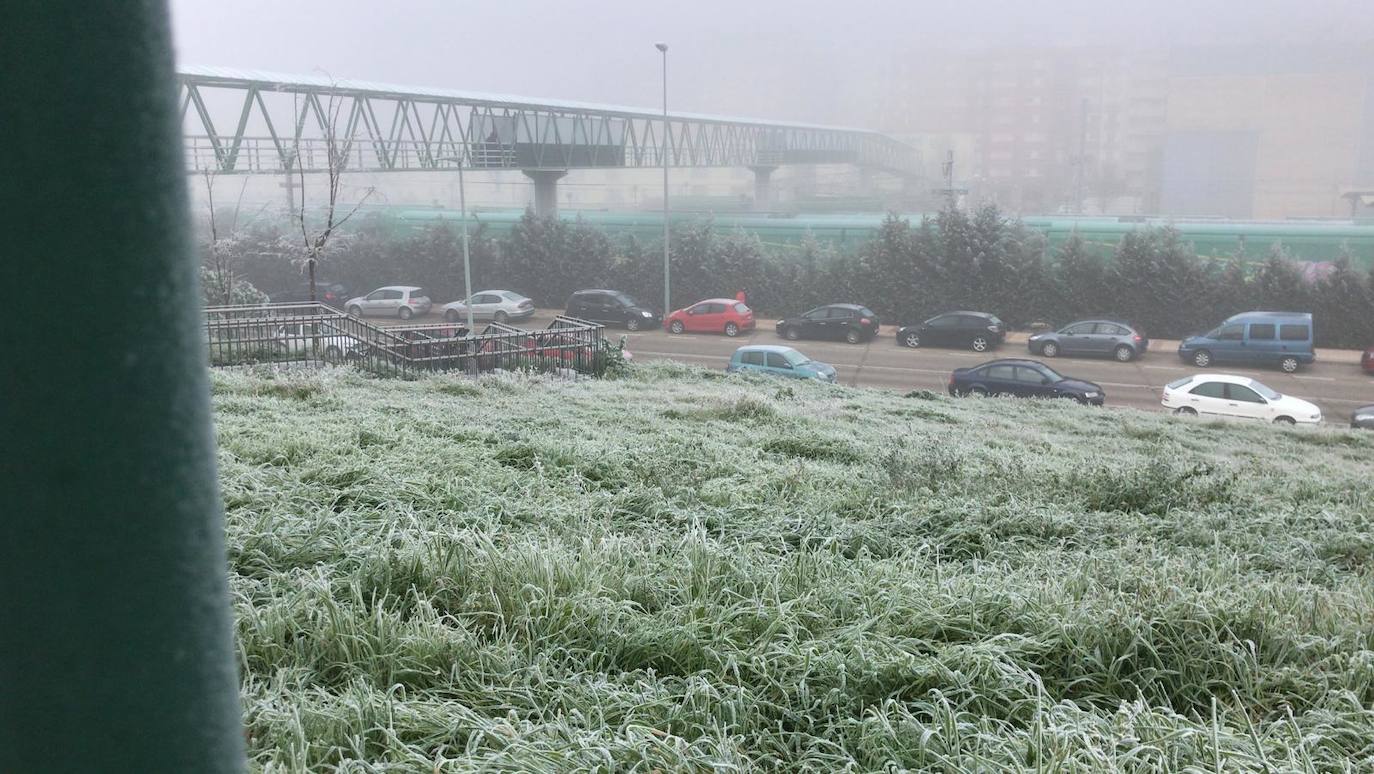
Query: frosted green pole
x=115, y=637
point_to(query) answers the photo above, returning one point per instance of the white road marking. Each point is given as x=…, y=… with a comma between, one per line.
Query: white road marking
x=1316, y=378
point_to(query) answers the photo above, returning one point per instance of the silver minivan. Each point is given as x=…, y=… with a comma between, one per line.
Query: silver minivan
x=403, y=301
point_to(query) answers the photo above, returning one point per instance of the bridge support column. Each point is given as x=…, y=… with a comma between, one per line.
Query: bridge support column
x=763, y=186
x=545, y=189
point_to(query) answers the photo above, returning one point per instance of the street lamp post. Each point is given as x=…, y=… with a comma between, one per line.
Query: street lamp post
x=467, y=263
x=667, y=303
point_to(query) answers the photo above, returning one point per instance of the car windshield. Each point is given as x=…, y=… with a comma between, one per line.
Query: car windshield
x=1175, y=384
x=1264, y=390
x=796, y=358
x=1054, y=375
x=516, y=297
x=626, y=300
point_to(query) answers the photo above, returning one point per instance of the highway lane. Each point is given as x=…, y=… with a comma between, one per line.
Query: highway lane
x=1335, y=383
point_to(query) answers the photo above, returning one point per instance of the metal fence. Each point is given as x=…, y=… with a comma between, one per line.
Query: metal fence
x=315, y=334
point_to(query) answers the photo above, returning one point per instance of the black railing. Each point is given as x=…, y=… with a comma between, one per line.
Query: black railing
x=315, y=334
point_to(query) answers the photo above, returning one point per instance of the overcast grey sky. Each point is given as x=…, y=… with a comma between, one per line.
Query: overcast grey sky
x=789, y=59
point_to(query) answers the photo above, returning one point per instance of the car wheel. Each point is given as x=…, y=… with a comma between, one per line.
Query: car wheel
x=912, y=340
x=1202, y=358
x=1289, y=364
x=1125, y=354
x=676, y=326
x=1285, y=421
x=791, y=334
x=332, y=354
x=405, y=313
x=632, y=324
x=853, y=337
x=356, y=311
x=500, y=317
x=731, y=330
x=1050, y=349
x=451, y=315
x=979, y=344
x=1187, y=411
x=978, y=390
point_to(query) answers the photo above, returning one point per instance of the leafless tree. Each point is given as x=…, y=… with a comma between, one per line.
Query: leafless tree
x=337, y=144
x=221, y=251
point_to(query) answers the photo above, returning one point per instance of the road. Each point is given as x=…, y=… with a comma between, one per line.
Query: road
x=1335, y=382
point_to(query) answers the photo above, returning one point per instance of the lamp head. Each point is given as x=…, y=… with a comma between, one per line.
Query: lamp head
x=661, y=47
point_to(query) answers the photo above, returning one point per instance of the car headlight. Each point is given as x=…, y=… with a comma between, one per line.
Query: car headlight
x=646, y=314
x=1091, y=394
x=1315, y=417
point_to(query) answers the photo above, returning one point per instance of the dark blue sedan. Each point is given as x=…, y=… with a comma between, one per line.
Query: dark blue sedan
x=1023, y=379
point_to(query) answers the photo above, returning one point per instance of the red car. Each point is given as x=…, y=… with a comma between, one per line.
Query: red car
x=1367, y=360
x=714, y=315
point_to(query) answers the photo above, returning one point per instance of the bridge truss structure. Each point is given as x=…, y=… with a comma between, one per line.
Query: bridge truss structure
x=250, y=122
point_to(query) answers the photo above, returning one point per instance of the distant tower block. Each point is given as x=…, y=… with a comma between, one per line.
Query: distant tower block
x=545, y=189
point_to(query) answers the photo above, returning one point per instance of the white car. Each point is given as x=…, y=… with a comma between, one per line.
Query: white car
x=403, y=301
x=495, y=305
x=1225, y=395
x=302, y=339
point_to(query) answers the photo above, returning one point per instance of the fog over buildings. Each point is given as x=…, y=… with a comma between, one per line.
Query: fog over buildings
x=1245, y=110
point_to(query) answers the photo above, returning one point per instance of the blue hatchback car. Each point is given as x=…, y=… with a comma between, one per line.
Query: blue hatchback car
x=779, y=361
x=1282, y=339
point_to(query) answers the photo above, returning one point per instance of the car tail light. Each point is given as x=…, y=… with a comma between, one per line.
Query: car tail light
x=864, y=321
x=1137, y=337
x=951, y=380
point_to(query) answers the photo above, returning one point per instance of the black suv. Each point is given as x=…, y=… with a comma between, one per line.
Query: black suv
x=326, y=292
x=610, y=307
x=978, y=331
x=850, y=322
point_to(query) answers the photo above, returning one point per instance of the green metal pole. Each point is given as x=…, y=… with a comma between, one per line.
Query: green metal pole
x=115, y=637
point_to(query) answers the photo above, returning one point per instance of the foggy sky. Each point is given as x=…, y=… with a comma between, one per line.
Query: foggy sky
x=785, y=59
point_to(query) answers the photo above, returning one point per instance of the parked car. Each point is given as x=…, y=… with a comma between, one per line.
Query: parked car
x=1025, y=379
x=979, y=331
x=495, y=305
x=1282, y=339
x=713, y=315
x=326, y=292
x=1226, y=395
x=299, y=339
x=779, y=361
x=1363, y=417
x=1367, y=360
x=610, y=307
x=403, y=301
x=1107, y=338
x=848, y=322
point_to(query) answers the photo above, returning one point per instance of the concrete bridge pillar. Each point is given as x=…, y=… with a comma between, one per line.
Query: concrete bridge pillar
x=763, y=186
x=545, y=189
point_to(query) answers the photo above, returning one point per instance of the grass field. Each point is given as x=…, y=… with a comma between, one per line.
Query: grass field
x=674, y=571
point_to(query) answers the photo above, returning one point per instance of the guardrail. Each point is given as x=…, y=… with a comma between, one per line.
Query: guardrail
x=316, y=334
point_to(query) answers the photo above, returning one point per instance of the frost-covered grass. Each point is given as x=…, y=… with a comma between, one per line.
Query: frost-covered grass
x=675, y=571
